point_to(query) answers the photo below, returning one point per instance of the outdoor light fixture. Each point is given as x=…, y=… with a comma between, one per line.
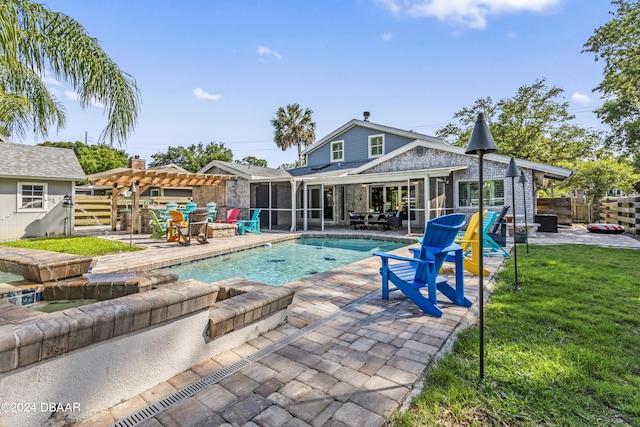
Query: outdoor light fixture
x=523, y=180
x=481, y=143
x=513, y=172
x=67, y=202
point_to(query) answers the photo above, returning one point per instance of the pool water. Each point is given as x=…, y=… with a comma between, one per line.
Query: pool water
x=9, y=277
x=284, y=262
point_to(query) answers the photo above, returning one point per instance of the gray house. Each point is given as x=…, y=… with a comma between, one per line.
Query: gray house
x=34, y=182
x=370, y=168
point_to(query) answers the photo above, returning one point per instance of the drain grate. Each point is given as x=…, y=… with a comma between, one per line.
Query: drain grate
x=195, y=387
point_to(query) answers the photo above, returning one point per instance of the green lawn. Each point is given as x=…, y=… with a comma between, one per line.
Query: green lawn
x=563, y=350
x=79, y=245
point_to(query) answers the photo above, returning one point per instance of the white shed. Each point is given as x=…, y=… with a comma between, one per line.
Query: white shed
x=34, y=181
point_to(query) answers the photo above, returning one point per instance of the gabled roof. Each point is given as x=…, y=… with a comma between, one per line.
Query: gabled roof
x=39, y=162
x=249, y=172
x=373, y=126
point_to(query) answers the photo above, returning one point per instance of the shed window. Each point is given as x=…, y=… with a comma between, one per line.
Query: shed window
x=493, y=194
x=376, y=145
x=32, y=197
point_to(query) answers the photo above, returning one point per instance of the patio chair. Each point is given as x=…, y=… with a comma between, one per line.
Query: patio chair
x=410, y=275
x=178, y=227
x=251, y=225
x=499, y=230
x=158, y=228
x=355, y=220
x=395, y=220
x=470, y=241
x=232, y=216
x=164, y=216
x=212, y=208
x=188, y=208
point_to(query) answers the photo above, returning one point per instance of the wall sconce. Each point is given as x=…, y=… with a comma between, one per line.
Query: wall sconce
x=363, y=185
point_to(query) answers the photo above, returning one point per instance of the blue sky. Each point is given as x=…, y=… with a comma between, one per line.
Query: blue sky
x=219, y=70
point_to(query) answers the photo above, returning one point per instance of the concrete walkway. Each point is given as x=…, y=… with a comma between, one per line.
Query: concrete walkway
x=345, y=357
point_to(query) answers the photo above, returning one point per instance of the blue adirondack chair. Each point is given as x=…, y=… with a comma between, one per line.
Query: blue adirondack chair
x=251, y=225
x=412, y=274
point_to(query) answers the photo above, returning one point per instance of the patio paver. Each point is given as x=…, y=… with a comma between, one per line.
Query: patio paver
x=354, y=368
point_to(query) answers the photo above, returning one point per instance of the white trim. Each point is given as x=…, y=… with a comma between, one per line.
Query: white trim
x=369, y=154
x=45, y=196
x=332, y=151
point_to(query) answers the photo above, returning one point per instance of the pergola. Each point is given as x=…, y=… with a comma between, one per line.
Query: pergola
x=120, y=179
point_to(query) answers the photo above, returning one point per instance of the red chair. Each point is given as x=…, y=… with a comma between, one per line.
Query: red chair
x=232, y=216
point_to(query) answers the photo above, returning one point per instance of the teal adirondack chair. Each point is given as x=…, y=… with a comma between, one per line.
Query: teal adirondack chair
x=410, y=275
x=251, y=225
x=213, y=211
x=188, y=208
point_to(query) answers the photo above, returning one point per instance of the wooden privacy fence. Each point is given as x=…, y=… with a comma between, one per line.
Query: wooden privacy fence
x=560, y=206
x=624, y=211
x=96, y=210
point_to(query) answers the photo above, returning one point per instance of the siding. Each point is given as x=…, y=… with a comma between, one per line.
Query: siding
x=356, y=144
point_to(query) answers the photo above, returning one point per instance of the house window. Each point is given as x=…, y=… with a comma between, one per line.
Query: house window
x=376, y=146
x=493, y=193
x=337, y=151
x=32, y=197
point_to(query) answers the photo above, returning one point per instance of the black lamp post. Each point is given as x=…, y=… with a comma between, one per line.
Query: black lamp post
x=513, y=172
x=480, y=143
x=523, y=180
x=133, y=190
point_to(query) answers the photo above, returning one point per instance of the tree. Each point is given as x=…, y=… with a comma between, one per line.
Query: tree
x=599, y=176
x=35, y=41
x=533, y=125
x=94, y=158
x=293, y=127
x=617, y=43
x=253, y=161
x=194, y=157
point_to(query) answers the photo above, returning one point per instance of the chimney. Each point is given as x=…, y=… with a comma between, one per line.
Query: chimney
x=366, y=116
x=137, y=163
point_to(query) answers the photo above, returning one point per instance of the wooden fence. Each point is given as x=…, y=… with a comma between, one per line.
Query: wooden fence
x=560, y=206
x=96, y=210
x=621, y=210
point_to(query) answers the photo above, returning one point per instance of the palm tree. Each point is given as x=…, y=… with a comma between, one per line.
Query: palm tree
x=35, y=40
x=292, y=127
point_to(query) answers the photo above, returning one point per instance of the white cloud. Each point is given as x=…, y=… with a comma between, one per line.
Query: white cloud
x=580, y=98
x=73, y=96
x=263, y=50
x=49, y=79
x=387, y=36
x=466, y=13
x=201, y=94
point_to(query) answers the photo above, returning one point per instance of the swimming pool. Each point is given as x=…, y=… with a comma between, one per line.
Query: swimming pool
x=284, y=262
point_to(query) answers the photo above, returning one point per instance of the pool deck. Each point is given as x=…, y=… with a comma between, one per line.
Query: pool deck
x=345, y=357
